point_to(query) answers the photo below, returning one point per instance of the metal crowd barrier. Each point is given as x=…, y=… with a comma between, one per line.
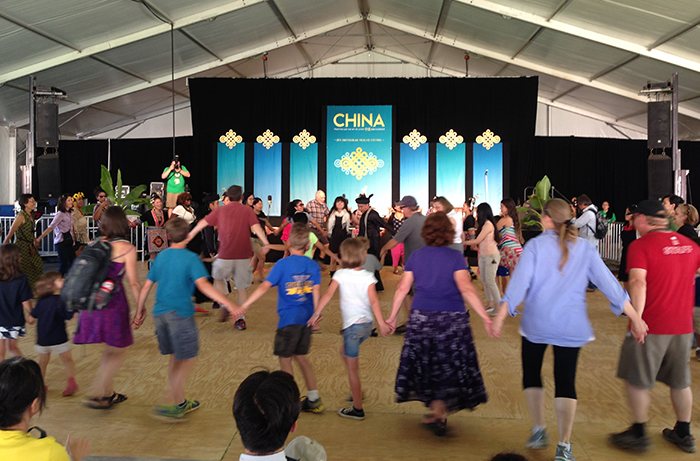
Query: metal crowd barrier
x=47, y=248
x=611, y=246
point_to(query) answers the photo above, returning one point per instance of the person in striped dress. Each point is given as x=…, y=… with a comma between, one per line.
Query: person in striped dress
x=511, y=242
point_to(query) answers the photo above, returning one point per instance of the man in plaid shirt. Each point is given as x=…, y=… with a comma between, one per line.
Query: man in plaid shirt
x=319, y=212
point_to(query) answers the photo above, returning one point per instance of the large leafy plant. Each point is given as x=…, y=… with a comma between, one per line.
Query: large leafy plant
x=533, y=212
x=116, y=199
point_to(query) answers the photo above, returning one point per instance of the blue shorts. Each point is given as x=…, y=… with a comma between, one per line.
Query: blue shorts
x=502, y=271
x=177, y=335
x=353, y=336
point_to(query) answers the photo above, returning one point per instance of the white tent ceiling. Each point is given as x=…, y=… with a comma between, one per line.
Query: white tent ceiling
x=113, y=57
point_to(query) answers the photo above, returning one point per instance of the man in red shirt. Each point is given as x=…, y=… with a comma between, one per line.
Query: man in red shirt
x=662, y=266
x=234, y=222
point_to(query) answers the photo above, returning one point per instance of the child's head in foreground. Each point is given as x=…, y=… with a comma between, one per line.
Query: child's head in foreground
x=266, y=407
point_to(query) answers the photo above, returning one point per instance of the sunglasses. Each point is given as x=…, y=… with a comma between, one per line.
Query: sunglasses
x=101, y=196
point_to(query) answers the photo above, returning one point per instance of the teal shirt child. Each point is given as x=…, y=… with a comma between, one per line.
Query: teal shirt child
x=175, y=271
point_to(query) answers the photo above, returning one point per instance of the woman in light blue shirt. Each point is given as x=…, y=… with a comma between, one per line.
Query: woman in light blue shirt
x=552, y=277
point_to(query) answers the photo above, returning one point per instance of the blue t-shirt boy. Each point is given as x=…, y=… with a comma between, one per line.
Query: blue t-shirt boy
x=295, y=277
x=176, y=270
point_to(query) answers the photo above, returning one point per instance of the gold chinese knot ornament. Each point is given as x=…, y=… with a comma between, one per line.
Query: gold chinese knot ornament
x=451, y=139
x=231, y=139
x=488, y=139
x=304, y=139
x=358, y=163
x=268, y=139
x=415, y=139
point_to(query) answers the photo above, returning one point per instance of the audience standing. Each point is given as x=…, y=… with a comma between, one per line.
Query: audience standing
x=339, y=220
x=174, y=175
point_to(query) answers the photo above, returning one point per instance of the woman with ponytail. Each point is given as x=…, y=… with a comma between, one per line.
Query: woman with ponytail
x=552, y=277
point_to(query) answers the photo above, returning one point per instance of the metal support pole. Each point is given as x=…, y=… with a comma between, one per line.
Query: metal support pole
x=31, y=141
x=678, y=177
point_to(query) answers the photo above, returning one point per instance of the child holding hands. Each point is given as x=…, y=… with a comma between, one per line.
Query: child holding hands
x=15, y=293
x=51, y=336
x=358, y=301
x=298, y=279
x=177, y=271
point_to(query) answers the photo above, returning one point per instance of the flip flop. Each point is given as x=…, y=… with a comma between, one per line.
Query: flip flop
x=98, y=403
x=115, y=398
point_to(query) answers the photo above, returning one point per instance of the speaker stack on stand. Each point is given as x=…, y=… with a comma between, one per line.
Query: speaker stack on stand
x=48, y=172
x=659, y=166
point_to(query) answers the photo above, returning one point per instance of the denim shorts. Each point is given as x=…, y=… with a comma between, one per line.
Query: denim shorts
x=353, y=336
x=177, y=335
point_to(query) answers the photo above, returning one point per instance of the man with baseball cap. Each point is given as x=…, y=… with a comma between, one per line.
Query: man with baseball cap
x=410, y=236
x=662, y=266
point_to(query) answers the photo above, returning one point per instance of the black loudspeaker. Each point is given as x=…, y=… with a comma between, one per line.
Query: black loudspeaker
x=660, y=176
x=49, y=176
x=659, y=124
x=46, y=125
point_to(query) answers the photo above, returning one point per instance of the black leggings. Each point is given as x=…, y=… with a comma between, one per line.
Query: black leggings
x=66, y=255
x=565, y=360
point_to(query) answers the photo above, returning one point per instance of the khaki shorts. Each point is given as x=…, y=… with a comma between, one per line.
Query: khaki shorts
x=238, y=269
x=171, y=200
x=661, y=358
x=58, y=349
x=257, y=244
x=696, y=321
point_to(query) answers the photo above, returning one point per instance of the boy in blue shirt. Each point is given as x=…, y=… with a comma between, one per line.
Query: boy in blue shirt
x=298, y=279
x=177, y=271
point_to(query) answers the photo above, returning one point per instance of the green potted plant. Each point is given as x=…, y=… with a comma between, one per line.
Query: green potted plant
x=125, y=203
x=533, y=207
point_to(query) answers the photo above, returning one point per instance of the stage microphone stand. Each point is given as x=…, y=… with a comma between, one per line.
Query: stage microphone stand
x=486, y=184
x=269, y=204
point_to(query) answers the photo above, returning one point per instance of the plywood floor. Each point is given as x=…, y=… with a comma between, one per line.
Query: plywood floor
x=390, y=430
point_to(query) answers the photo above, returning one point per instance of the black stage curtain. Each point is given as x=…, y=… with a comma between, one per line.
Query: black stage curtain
x=506, y=106
x=80, y=163
x=604, y=169
x=141, y=161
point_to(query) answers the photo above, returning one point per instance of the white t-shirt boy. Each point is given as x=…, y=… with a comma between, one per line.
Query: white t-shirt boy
x=354, y=300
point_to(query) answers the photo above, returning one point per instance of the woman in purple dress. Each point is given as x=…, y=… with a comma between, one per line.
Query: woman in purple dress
x=439, y=364
x=111, y=325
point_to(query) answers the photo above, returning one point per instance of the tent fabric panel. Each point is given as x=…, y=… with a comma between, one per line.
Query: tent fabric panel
x=422, y=14
x=303, y=15
x=240, y=30
x=572, y=54
x=485, y=29
x=151, y=57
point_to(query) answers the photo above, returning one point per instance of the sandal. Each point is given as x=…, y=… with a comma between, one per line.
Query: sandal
x=440, y=427
x=98, y=403
x=115, y=399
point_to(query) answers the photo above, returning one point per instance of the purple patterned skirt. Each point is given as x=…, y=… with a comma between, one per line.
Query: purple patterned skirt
x=439, y=361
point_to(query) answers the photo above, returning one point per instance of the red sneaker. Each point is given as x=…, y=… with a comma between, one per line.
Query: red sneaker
x=199, y=310
x=240, y=324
